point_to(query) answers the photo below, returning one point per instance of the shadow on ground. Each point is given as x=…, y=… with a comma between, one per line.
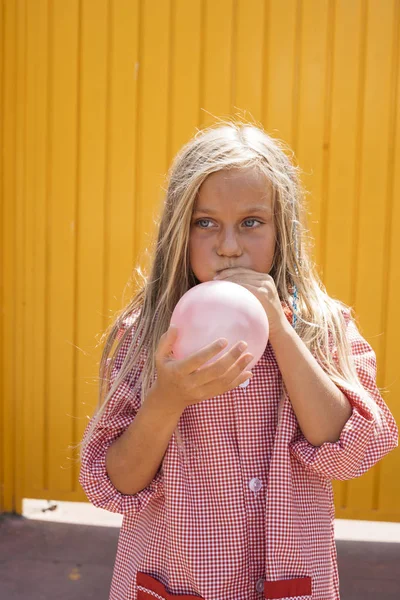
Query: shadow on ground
x=42, y=560
x=369, y=570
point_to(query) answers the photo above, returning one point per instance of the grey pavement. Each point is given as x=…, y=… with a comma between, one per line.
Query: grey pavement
x=56, y=555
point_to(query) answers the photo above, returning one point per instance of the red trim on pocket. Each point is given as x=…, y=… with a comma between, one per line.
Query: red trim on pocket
x=287, y=588
x=151, y=583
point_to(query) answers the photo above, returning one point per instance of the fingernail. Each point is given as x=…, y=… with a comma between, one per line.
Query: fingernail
x=242, y=346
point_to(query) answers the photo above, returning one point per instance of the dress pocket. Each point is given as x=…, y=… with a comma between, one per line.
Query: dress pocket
x=289, y=589
x=149, y=588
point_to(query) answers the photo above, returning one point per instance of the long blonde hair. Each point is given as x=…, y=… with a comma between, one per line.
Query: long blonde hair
x=319, y=319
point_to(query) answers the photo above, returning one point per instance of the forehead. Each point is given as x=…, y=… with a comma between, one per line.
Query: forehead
x=245, y=186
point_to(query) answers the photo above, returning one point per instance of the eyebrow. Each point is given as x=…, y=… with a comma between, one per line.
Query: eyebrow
x=251, y=209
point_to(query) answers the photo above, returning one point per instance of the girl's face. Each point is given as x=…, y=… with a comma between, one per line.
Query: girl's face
x=232, y=224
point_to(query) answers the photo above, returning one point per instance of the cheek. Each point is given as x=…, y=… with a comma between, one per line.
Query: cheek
x=263, y=251
x=272, y=239
x=198, y=249
x=197, y=243
x=192, y=245
x=265, y=243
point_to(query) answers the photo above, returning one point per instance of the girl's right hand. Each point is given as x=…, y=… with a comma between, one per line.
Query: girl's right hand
x=187, y=381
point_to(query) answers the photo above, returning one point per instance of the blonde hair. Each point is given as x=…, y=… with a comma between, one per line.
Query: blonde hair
x=319, y=318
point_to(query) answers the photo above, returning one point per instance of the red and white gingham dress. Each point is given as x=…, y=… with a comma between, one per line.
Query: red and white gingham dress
x=246, y=511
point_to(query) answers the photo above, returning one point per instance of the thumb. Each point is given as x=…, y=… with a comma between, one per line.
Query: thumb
x=167, y=341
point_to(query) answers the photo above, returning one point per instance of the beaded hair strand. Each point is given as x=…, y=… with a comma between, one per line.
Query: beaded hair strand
x=295, y=296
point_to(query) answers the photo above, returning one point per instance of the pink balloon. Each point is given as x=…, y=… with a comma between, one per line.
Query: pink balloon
x=220, y=309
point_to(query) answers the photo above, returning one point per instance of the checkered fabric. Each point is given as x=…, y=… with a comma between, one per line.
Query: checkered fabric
x=245, y=510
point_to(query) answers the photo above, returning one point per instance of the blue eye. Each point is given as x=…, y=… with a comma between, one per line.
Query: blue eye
x=254, y=220
x=202, y=221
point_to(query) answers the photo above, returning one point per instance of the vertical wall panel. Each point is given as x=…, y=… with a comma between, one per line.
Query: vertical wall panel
x=96, y=98
x=280, y=88
x=348, y=65
x=8, y=256
x=2, y=291
x=216, y=83
x=91, y=192
x=154, y=94
x=60, y=298
x=20, y=242
x=388, y=488
x=346, y=119
x=249, y=48
x=30, y=407
x=312, y=109
x=123, y=70
x=372, y=214
x=37, y=186
x=185, y=74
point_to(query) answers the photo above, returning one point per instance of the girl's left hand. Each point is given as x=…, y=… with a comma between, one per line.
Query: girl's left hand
x=263, y=287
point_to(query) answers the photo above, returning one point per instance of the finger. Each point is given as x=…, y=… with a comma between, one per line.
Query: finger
x=250, y=287
x=242, y=280
x=209, y=390
x=234, y=275
x=226, y=368
x=197, y=359
x=240, y=273
x=244, y=376
x=234, y=270
x=237, y=368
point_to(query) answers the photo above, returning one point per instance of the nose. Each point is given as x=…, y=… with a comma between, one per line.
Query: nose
x=228, y=243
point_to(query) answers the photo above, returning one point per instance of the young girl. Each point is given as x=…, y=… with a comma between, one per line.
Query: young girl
x=225, y=488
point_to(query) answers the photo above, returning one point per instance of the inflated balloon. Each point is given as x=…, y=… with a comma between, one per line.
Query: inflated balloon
x=220, y=309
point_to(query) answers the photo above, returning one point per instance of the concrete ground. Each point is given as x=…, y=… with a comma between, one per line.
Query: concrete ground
x=65, y=551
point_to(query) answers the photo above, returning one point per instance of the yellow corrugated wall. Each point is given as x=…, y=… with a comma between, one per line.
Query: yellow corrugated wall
x=96, y=98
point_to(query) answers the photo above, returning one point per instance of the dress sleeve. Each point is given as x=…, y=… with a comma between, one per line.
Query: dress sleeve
x=361, y=444
x=120, y=412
